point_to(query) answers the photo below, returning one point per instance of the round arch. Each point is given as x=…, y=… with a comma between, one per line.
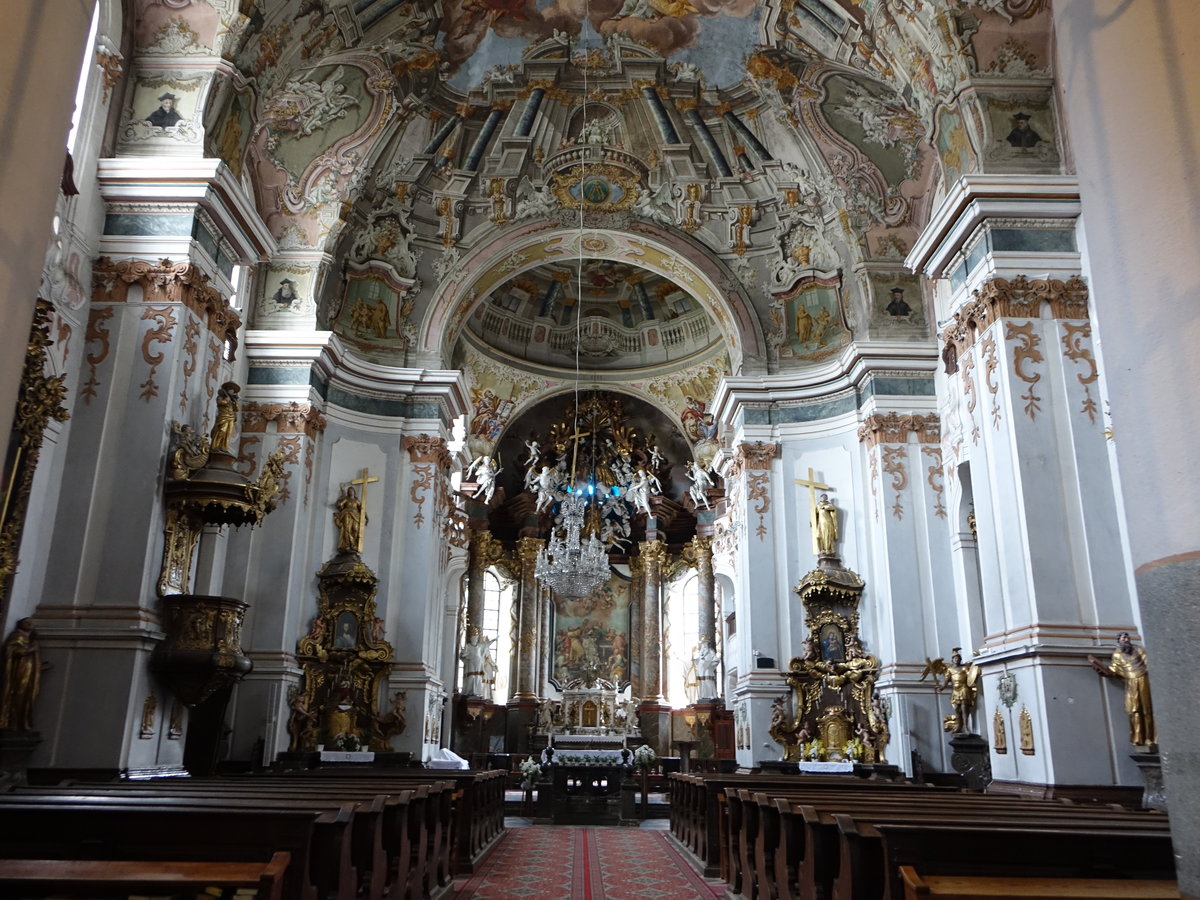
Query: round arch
x=666, y=253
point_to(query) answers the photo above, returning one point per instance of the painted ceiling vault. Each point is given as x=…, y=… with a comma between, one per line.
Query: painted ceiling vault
x=651, y=187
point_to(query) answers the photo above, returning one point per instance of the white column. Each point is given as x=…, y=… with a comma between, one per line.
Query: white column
x=1130, y=77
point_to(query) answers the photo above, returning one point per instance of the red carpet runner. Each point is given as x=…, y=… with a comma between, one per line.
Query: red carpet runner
x=561, y=863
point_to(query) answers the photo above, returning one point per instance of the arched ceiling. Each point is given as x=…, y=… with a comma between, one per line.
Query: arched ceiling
x=404, y=154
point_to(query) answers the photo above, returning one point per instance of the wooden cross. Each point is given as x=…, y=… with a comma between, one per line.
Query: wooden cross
x=363, y=480
x=813, y=486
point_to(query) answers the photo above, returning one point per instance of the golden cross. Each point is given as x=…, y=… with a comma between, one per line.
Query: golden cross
x=363, y=480
x=575, y=451
x=813, y=486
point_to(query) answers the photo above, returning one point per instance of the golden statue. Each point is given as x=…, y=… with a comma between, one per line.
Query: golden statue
x=302, y=723
x=964, y=688
x=22, y=677
x=1128, y=663
x=227, y=410
x=349, y=519
x=825, y=526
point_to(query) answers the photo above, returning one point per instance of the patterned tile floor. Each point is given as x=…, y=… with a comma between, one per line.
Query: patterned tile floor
x=576, y=863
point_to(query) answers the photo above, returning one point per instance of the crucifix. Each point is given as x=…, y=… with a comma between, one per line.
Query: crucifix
x=813, y=486
x=363, y=480
x=575, y=451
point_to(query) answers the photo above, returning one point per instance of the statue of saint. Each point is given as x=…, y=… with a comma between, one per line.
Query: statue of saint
x=227, y=410
x=964, y=690
x=706, y=671
x=825, y=526
x=349, y=518
x=22, y=677
x=472, y=656
x=1128, y=663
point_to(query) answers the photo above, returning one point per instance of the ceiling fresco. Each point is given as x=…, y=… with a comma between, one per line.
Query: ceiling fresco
x=751, y=173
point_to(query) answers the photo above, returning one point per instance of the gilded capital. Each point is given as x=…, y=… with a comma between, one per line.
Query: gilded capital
x=894, y=428
x=425, y=448
x=289, y=418
x=1018, y=297
x=654, y=554
x=757, y=455
x=527, y=551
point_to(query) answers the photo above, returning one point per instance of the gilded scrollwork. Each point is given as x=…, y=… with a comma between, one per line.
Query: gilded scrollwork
x=987, y=345
x=893, y=459
x=935, y=479
x=40, y=400
x=97, y=333
x=1075, y=350
x=1026, y=351
x=1019, y=297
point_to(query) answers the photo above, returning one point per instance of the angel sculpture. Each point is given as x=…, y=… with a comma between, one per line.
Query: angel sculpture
x=650, y=204
x=533, y=201
x=964, y=688
x=486, y=469
x=701, y=482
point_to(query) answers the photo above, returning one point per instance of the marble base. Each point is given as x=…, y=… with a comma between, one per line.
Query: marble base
x=15, y=750
x=1154, y=796
x=970, y=757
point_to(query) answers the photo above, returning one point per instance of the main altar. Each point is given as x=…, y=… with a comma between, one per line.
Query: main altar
x=593, y=714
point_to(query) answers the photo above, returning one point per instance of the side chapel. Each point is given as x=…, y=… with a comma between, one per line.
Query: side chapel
x=801, y=380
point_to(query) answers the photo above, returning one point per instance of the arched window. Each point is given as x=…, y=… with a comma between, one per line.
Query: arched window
x=681, y=638
x=497, y=611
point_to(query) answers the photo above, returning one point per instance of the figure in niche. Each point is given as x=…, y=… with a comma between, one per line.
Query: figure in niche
x=166, y=116
x=1022, y=135
x=1128, y=663
x=349, y=519
x=227, y=410
x=825, y=526
x=302, y=722
x=23, y=669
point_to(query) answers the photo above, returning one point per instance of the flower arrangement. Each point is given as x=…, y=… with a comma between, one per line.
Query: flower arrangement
x=346, y=742
x=645, y=758
x=854, y=750
x=530, y=772
x=814, y=750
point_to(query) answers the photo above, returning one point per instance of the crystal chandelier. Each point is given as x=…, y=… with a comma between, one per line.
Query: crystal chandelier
x=568, y=565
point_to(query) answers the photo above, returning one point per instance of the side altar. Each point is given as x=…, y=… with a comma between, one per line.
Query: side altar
x=830, y=713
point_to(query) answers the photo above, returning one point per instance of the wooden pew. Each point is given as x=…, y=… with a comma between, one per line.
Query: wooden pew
x=30, y=878
x=872, y=852
x=373, y=834
x=98, y=828
x=979, y=887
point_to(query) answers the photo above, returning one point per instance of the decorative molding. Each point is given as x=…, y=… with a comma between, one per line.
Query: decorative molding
x=987, y=346
x=755, y=456
x=289, y=418
x=163, y=333
x=167, y=282
x=935, y=479
x=39, y=399
x=97, y=332
x=900, y=428
x=1026, y=352
x=1073, y=349
x=425, y=448
x=1016, y=298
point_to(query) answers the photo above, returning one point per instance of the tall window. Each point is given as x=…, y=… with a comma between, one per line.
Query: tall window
x=495, y=627
x=682, y=624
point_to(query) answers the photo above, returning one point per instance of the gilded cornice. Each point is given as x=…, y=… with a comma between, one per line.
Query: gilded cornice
x=897, y=428
x=425, y=448
x=289, y=418
x=1020, y=297
x=166, y=282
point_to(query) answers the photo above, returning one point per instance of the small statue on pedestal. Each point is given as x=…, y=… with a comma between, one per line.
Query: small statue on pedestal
x=1128, y=664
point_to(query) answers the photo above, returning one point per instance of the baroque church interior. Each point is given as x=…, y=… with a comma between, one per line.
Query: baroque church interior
x=794, y=380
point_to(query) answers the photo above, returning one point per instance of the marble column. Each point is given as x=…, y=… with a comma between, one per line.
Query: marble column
x=706, y=590
x=528, y=620
x=476, y=565
x=654, y=554
x=1133, y=143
